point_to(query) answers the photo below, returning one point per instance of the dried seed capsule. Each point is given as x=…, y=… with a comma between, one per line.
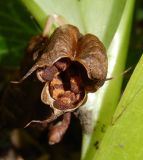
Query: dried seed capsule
x=78, y=63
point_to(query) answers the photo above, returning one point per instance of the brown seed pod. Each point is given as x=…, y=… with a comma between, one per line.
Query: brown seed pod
x=70, y=65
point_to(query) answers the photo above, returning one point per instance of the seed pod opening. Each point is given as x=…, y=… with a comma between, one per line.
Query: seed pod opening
x=67, y=88
x=71, y=65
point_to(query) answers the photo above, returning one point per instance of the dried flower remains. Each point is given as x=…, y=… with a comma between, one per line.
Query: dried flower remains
x=70, y=65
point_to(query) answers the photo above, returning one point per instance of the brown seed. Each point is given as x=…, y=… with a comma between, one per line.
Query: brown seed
x=65, y=101
x=63, y=64
x=47, y=73
x=56, y=87
x=76, y=84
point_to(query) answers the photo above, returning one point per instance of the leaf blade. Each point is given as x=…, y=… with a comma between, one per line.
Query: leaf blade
x=128, y=144
x=117, y=57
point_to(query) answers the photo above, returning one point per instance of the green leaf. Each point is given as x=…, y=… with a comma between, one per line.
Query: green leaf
x=107, y=97
x=42, y=9
x=123, y=139
x=101, y=17
x=16, y=28
x=88, y=15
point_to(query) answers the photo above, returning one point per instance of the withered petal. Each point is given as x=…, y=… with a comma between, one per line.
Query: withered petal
x=92, y=54
x=62, y=44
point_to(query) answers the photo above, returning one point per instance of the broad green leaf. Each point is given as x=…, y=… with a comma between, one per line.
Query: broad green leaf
x=69, y=9
x=102, y=17
x=16, y=28
x=109, y=94
x=88, y=15
x=124, y=138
